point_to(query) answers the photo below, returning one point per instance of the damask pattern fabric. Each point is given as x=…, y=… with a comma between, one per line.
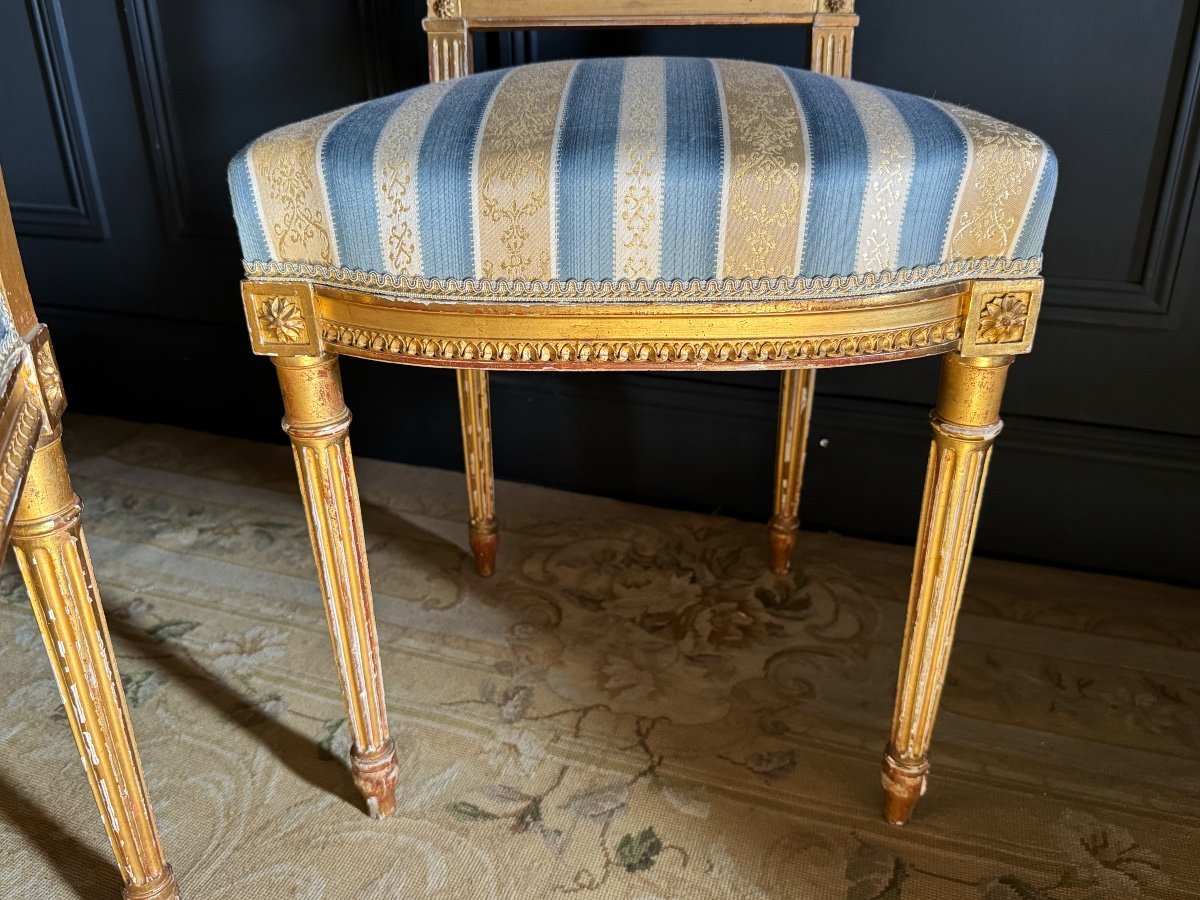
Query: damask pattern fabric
x=646, y=168
x=10, y=342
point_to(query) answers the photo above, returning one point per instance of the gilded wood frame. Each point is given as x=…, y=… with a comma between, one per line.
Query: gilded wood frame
x=42, y=518
x=977, y=316
x=451, y=23
x=308, y=318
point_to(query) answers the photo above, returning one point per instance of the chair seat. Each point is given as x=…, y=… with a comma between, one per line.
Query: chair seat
x=668, y=170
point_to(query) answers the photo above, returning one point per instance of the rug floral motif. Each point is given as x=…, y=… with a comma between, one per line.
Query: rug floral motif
x=632, y=707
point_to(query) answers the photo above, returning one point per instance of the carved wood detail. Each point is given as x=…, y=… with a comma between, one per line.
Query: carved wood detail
x=833, y=43
x=1001, y=317
x=280, y=319
x=50, y=548
x=317, y=421
x=585, y=353
x=44, y=370
x=20, y=425
x=450, y=54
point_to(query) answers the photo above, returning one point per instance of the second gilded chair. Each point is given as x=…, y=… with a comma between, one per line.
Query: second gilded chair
x=42, y=516
x=650, y=214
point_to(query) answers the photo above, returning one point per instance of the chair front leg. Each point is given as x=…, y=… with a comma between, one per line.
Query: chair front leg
x=795, y=413
x=50, y=548
x=317, y=421
x=476, y=413
x=965, y=422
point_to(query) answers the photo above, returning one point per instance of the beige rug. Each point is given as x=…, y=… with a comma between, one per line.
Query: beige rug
x=632, y=708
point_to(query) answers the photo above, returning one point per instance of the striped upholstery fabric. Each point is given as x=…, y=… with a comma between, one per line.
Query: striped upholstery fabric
x=10, y=343
x=645, y=168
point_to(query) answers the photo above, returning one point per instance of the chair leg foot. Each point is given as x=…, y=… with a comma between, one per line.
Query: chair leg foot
x=795, y=412
x=485, y=541
x=161, y=888
x=375, y=775
x=903, y=786
x=782, y=533
x=476, y=413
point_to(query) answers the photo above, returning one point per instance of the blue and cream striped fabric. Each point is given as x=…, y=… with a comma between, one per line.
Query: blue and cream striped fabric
x=10, y=343
x=645, y=168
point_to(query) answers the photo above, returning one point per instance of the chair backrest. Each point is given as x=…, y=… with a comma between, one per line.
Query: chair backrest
x=451, y=23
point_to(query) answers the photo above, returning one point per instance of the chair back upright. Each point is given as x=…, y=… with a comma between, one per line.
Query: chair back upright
x=30, y=398
x=14, y=289
x=451, y=24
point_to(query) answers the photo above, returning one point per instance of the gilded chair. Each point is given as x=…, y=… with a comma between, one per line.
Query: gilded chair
x=649, y=214
x=41, y=516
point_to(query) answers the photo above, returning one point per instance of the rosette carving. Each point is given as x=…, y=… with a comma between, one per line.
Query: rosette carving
x=1003, y=319
x=281, y=320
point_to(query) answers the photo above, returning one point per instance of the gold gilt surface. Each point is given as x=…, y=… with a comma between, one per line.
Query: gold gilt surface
x=497, y=13
x=20, y=426
x=41, y=515
x=979, y=311
x=982, y=318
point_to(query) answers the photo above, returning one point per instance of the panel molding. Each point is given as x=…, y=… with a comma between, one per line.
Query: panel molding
x=160, y=116
x=1147, y=301
x=161, y=123
x=83, y=218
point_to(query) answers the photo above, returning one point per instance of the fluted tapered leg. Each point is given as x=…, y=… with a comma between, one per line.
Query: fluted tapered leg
x=965, y=421
x=475, y=406
x=795, y=412
x=49, y=545
x=317, y=421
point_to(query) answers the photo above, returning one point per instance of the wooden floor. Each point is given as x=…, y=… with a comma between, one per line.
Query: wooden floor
x=631, y=708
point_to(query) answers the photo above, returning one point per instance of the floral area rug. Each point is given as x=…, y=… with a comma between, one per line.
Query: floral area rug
x=633, y=707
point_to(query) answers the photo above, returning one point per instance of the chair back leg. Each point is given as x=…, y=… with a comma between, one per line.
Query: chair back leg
x=476, y=412
x=795, y=412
